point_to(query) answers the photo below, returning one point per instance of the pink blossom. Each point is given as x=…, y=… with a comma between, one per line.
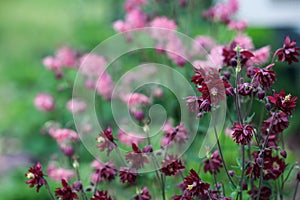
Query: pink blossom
x=244, y=41
x=62, y=135
x=158, y=92
x=52, y=63
x=260, y=57
x=135, y=18
x=44, y=102
x=58, y=173
x=92, y=65
x=121, y=26
x=238, y=25
x=132, y=4
x=216, y=57
x=105, y=171
x=67, y=57
x=176, y=51
x=162, y=23
x=134, y=99
x=178, y=134
x=76, y=106
x=204, y=42
x=129, y=138
x=105, y=86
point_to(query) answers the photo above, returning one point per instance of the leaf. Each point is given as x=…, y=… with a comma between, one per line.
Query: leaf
x=249, y=119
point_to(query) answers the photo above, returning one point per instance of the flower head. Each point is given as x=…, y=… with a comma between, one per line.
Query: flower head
x=136, y=158
x=289, y=51
x=266, y=76
x=127, y=175
x=36, y=177
x=44, y=102
x=214, y=163
x=283, y=102
x=144, y=195
x=101, y=195
x=106, y=141
x=103, y=171
x=242, y=134
x=195, y=186
x=171, y=165
x=65, y=192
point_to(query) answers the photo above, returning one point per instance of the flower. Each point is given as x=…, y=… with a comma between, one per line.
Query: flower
x=230, y=55
x=144, y=195
x=260, y=57
x=195, y=186
x=162, y=23
x=171, y=165
x=127, y=175
x=178, y=134
x=242, y=134
x=92, y=65
x=58, y=173
x=129, y=138
x=136, y=99
x=132, y=4
x=67, y=56
x=266, y=77
x=214, y=163
x=106, y=141
x=105, y=86
x=289, y=51
x=76, y=106
x=246, y=89
x=44, y=102
x=101, y=195
x=285, y=103
x=265, y=193
x=280, y=123
x=52, y=63
x=136, y=158
x=63, y=135
x=35, y=176
x=237, y=25
x=105, y=171
x=65, y=192
x=244, y=41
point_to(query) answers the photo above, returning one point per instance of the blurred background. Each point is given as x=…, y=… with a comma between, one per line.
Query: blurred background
x=33, y=29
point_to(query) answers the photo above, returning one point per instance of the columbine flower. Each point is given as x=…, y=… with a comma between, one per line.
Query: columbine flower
x=127, y=175
x=44, y=102
x=144, y=195
x=65, y=192
x=231, y=56
x=171, y=165
x=101, y=195
x=58, y=173
x=67, y=56
x=289, y=51
x=132, y=4
x=260, y=57
x=136, y=158
x=283, y=102
x=106, y=141
x=265, y=193
x=36, y=177
x=177, y=135
x=63, y=135
x=129, y=138
x=280, y=123
x=242, y=134
x=76, y=106
x=266, y=77
x=105, y=171
x=214, y=163
x=246, y=89
x=195, y=186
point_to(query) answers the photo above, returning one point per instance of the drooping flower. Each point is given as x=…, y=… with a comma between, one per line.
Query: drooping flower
x=35, y=176
x=246, y=89
x=103, y=171
x=195, y=186
x=44, y=102
x=266, y=76
x=178, y=135
x=101, y=195
x=242, y=134
x=265, y=193
x=105, y=86
x=213, y=163
x=285, y=103
x=106, y=141
x=137, y=158
x=289, y=52
x=280, y=123
x=127, y=175
x=231, y=56
x=171, y=165
x=65, y=192
x=144, y=195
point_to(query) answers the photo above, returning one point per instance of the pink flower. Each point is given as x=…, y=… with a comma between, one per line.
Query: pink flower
x=216, y=57
x=52, y=63
x=176, y=51
x=58, y=173
x=92, y=65
x=76, y=106
x=103, y=171
x=260, y=57
x=135, y=99
x=129, y=138
x=222, y=11
x=67, y=56
x=244, y=41
x=121, y=26
x=105, y=86
x=136, y=19
x=162, y=23
x=176, y=134
x=62, y=135
x=44, y=102
x=132, y=4
x=238, y=25
x=203, y=44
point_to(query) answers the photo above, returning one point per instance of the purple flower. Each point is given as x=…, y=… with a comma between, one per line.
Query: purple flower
x=136, y=158
x=65, y=192
x=106, y=141
x=144, y=195
x=266, y=77
x=127, y=175
x=214, y=163
x=285, y=103
x=36, y=177
x=242, y=134
x=171, y=165
x=101, y=195
x=289, y=51
x=195, y=186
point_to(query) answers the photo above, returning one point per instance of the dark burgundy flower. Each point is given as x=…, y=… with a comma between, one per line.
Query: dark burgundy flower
x=231, y=56
x=265, y=193
x=127, y=175
x=228, y=88
x=101, y=195
x=182, y=197
x=103, y=171
x=280, y=123
x=106, y=141
x=242, y=134
x=195, y=186
x=36, y=177
x=137, y=158
x=144, y=195
x=285, y=103
x=246, y=89
x=171, y=165
x=266, y=76
x=178, y=135
x=214, y=163
x=289, y=51
x=65, y=192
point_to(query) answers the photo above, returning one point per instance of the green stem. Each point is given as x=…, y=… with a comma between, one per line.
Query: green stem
x=49, y=190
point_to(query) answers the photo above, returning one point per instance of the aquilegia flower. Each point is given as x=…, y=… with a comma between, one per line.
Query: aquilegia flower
x=101, y=195
x=285, y=103
x=289, y=51
x=214, y=163
x=242, y=134
x=36, y=177
x=171, y=165
x=65, y=192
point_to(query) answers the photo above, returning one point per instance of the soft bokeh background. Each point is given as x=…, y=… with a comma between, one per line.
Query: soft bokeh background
x=32, y=29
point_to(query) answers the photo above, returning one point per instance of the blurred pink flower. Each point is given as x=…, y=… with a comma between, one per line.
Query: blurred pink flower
x=260, y=57
x=244, y=41
x=132, y=4
x=158, y=92
x=62, y=135
x=105, y=171
x=52, y=63
x=129, y=138
x=92, y=65
x=135, y=99
x=105, y=86
x=204, y=43
x=67, y=57
x=58, y=173
x=135, y=18
x=44, y=102
x=176, y=51
x=121, y=26
x=222, y=11
x=76, y=106
x=162, y=23
x=238, y=25
x=216, y=57
x=178, y=134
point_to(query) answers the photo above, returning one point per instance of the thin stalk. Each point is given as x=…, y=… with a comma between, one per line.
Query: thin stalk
x=243, y=170
x=296, y=189
x=49, y=190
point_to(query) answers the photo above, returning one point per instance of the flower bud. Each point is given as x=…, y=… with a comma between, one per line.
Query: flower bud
x=268, y=106
x=261, y=94
x=68, y=151
x=227, y=75
x=148, y=149
x=231, y=173
x=259, y=161
x=77, y=186
x=283, y=153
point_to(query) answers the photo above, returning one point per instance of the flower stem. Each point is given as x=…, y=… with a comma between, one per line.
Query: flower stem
x=49, y=190
x=243, y=169
x=296, y=189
